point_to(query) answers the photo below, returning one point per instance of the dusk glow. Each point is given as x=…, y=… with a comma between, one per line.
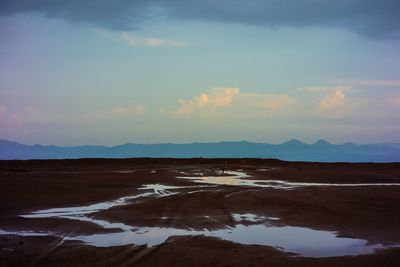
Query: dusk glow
x=200, y=133
x=73, y=73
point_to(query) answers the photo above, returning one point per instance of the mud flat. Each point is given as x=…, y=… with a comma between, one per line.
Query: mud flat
x=198, y=212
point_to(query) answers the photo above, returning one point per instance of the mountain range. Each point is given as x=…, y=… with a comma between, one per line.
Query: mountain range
x=293, y=150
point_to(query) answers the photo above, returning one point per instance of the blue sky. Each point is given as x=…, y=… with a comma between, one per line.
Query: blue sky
x=84, y=72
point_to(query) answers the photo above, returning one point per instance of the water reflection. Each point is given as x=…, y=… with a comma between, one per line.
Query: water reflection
x=82, y=210
x=236, y=178
x=303, y=241
x=249, y=217
x=248, y=229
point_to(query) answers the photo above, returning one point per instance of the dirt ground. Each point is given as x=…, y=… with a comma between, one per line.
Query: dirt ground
x=371, y=212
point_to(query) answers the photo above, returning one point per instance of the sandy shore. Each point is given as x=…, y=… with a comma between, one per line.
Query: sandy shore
x=370, y=213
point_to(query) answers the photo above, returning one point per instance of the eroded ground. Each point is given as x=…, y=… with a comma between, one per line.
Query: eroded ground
x=228, y=212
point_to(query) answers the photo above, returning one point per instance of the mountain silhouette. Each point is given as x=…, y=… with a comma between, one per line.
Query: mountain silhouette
x=293, y=150
x=293, y=142
x=322, y=143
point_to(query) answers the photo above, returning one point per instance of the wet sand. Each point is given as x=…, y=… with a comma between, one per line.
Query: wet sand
x=368, y=212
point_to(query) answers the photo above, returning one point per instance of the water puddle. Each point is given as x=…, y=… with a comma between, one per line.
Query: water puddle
x=286, y=184
x=303, y=241
x=163, y=190
x=248, y=217
x=237, y=178
x=82, y=210
x=267, y=169
x=249, y=229
x=23, y=233
x=126, y=171
x=156, y=190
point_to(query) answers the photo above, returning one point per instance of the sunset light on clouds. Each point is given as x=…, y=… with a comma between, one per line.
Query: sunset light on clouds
x=200, y=133
x=73, y=74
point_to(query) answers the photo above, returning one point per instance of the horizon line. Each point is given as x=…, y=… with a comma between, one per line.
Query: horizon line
x=204, y=142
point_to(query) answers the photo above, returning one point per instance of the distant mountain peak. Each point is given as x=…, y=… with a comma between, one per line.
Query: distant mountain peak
x=7, y=141
x=322, y=142
x=293, y=142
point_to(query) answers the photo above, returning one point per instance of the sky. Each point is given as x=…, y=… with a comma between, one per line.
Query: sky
x=110, y=72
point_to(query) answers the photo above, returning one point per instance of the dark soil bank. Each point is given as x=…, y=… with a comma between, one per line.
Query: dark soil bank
x=364, y=212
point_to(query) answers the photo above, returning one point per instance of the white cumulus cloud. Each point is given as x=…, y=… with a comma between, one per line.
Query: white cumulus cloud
x=334, y=100
x=207, y=101
x=230, y=102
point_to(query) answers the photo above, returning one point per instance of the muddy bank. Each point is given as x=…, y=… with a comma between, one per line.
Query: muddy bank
x=368, y=212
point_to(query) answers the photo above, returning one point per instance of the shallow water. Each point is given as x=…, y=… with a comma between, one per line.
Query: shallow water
x=23, y=233
x=249, y=229
x=156, y=190
x=81, y=210
x=249, y=217
x=303, y=241
x=299, y=240
x=126, y=171
x=237, y=178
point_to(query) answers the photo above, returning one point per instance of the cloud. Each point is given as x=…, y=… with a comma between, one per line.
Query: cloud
x=324, y=89
x=133, y=40
x=229, y=101
x=121, y=15
x=2, y=109
x=348, y=85
x=372, y=18
x=265, y=102
x=353, y=98
x=396, y=101
x=27, y=114
x=207, y=102
x=133, y=109
x=368, y=83
x=336, y=99
x=337, y=106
